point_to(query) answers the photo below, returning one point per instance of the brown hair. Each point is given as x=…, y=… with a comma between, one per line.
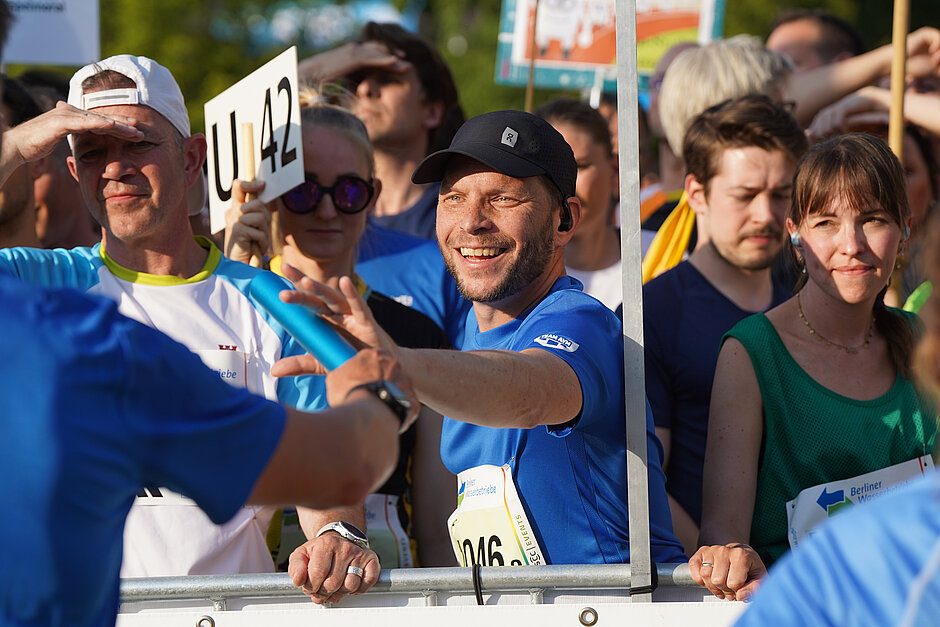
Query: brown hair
x=107, y=79
x=858, y=170
x=580, y=114
x=753, y=120
x=435, y=76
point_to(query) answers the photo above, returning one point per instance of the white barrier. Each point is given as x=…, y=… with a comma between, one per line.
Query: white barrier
x=547, y=596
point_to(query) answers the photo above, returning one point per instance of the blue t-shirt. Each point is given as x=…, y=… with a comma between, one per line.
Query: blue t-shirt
x=684, y=319
x=874, y=564
x=571, y=479
x=96, y=406
x=411, y=270
x=420, y=219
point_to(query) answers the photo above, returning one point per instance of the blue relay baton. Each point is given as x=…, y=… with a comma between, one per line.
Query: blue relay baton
x=313, y=333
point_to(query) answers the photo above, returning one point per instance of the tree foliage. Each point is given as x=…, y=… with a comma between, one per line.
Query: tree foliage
x=182, y=35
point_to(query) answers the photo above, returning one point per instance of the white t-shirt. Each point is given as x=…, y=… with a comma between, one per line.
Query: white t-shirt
x=606, y=284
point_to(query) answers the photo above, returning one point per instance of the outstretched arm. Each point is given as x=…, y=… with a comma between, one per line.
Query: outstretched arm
x=868, y=108
x=492, y=388
x=814, y=89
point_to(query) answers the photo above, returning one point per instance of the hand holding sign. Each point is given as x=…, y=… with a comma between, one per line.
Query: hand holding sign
x=266, y=98
x=248, y=223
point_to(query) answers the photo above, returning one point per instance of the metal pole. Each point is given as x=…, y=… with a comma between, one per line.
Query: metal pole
x=416, y=581
x=634, y=388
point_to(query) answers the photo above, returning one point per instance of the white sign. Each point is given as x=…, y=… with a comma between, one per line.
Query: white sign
x=53, y=32
x=267, y=98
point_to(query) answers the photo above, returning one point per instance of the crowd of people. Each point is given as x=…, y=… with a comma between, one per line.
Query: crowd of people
x=176, y=428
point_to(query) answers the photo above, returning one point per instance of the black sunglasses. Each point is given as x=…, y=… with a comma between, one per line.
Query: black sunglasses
x=350, y=194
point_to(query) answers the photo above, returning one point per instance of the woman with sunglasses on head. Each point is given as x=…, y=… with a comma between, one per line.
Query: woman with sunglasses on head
x=318, y=225
x=813, y=408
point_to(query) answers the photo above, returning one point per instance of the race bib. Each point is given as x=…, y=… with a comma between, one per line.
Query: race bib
x=815, y=505
x=386, y=535
x=489, y=526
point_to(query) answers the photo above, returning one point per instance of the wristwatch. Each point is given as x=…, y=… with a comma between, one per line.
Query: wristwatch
x=348, y=531
x=388, y=393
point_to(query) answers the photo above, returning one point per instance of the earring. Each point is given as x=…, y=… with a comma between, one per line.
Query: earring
x=905, y=232
x=795, y=239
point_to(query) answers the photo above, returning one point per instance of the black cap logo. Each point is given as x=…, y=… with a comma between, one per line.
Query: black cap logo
x=509, y=137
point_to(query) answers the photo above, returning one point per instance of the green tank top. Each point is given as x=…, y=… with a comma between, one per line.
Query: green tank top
x=813, y=435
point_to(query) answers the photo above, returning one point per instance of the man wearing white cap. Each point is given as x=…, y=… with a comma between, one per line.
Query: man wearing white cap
x=135, y=158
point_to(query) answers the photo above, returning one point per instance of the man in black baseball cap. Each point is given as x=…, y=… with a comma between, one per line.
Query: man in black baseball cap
x=517, y=152
x=534, y=402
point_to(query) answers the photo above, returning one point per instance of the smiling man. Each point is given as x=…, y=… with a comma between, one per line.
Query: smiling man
x=534, y=402
x=135, y=184
x=740, y=157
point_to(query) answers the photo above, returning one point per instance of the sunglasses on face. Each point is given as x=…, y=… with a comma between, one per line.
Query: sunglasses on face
x=350, y=194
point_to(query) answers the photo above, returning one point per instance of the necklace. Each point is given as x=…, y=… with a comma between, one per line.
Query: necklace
x=848, y=349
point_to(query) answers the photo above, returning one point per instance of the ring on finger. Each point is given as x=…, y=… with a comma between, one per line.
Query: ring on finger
x=707, y=564
x=354, y=570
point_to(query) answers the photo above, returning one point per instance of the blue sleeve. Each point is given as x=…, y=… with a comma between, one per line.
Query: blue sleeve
x=198, y=435
x=861, y=567
x=74, y=268
x=588, y=337
x=307, y=392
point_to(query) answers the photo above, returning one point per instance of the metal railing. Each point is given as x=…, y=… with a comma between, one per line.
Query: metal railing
x=423, y=581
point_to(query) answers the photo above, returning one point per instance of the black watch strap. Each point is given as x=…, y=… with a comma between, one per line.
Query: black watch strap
x=388, y=393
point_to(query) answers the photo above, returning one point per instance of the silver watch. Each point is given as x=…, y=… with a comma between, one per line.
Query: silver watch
x=348, y=531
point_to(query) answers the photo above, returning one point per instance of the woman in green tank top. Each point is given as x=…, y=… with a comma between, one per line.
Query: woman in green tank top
x=818, y=390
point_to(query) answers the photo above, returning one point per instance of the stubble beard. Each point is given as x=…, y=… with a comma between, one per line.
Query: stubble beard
x=534, y=256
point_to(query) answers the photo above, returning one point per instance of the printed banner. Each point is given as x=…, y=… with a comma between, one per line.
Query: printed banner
x=575, y=41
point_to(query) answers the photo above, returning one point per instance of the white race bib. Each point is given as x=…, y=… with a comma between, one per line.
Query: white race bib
x=489, y=526
x=816, y=504
x=386, y=535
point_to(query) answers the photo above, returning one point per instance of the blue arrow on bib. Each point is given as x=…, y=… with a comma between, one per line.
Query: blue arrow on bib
x=830, y=498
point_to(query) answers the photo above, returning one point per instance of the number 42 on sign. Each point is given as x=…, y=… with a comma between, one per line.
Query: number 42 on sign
x=265, y=101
